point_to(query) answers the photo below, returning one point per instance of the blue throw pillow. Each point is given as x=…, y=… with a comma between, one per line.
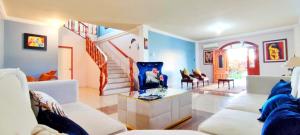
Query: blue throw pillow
x=284, y=120
x=59, y=123
x=282, y=87
x=274, y=102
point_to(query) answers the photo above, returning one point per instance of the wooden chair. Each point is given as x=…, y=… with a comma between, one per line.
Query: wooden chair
x=201, y=77
x=188, y=79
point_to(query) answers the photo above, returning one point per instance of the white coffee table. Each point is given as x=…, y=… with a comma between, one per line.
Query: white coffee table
x=169, y=111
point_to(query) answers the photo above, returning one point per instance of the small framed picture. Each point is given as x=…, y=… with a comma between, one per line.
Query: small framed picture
x=275, y=51
x=33, y=41
x=207, y=57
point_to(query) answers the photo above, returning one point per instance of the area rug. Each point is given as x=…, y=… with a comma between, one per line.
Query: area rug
x=222, y=90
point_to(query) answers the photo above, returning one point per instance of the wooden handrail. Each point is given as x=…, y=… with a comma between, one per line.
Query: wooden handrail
x=130, y=60
x=100, y=59
x=119, y=50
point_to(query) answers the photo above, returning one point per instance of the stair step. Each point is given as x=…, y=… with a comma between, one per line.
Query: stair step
x=116, y=91
x=112, y=65
x=115, y=72
x=117, y=76
x=116, y=85
x=117, y=80
x=114, y=68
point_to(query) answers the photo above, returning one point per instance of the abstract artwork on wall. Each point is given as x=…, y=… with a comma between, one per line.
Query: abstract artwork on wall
x=133, y=43
x=275, y=50
x=33, y=41
x=207, y=57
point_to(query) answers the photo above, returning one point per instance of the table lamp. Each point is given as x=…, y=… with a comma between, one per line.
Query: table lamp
x=292, y=63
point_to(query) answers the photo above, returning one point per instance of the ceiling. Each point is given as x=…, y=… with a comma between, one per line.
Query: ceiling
x=194, y=19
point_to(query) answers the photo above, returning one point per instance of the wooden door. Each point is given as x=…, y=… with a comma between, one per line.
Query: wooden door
x=220, y=64
x=65, y=63
x=253, y=61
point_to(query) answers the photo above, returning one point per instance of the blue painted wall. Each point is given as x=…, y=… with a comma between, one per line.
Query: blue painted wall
x=175, y=53
x=101, y=31
x=32, y=62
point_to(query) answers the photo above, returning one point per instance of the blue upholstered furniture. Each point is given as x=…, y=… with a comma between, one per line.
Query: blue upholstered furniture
x=148, y=66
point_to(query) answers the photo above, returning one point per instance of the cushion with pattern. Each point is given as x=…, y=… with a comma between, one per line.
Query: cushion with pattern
x=41, y=100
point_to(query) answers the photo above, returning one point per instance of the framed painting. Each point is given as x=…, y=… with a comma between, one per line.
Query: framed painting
x=207, y=57
x=33, y=41
x=275, y=51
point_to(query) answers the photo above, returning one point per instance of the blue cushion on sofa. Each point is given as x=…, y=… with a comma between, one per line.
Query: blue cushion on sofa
x=284, y=120
x=59, y=123
x=274, y=102
x=282, y=87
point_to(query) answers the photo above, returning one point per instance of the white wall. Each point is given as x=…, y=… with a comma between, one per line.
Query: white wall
x=123, y=42
x=265, y=68
x=80, y=56
x=1, y=41
x=206, y=69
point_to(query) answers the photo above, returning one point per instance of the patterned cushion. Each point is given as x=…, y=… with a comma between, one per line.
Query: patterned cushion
x=40, y=100
x=151, y=76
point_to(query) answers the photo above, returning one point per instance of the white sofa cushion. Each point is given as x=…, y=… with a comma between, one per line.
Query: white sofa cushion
x=232, y=122
x=247, y=102
x=162, y=132
x=16, y=117
x=93, y=121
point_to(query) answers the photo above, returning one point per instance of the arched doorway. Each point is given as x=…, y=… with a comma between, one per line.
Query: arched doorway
x=235, y=60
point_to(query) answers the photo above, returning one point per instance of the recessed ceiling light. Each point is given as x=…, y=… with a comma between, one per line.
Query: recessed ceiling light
x=219, y=27
x=56, y=23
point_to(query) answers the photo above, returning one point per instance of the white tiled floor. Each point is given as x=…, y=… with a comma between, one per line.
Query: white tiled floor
x=201, y=102
x=209, y=103
x=91, y=97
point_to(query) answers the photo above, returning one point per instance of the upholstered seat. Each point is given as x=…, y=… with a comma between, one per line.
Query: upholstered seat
x=232, y=122
x=148, y=66
x=201, y=77
x=188, y=79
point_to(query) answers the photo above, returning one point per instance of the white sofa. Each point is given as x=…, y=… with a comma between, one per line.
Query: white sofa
x=18, y=118
x=239, y=117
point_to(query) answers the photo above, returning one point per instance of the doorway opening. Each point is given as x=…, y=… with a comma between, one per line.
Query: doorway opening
x=240, y=59
x=65, y=63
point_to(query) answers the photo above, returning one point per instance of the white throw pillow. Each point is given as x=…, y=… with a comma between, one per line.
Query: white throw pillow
x=295, y=82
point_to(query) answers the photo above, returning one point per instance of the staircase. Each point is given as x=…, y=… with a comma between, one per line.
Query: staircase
x=118, y=81
x=112, y=77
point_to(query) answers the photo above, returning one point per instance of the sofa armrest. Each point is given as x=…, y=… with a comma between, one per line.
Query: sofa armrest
x=263, y=84
x=64, y=91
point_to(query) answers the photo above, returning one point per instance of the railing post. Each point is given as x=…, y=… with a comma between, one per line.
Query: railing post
x=101, y=80
x=131, y=74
